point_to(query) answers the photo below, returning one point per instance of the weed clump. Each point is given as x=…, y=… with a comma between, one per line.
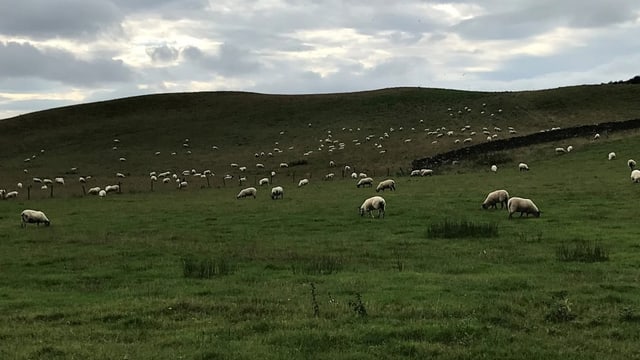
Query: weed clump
x=448, y=229
x=205, y=268
x=582, y=251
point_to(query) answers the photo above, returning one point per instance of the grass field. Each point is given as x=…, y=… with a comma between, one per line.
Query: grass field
x=197, y=274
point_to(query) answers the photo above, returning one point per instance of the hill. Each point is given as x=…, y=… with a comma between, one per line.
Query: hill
x=348, y=128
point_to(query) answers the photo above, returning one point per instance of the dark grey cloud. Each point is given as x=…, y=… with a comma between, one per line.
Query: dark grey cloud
x=163, y=53
x=230, y=60
x=23, y=60
x=44, y=19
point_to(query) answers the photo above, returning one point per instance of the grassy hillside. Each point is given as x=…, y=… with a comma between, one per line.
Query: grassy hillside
x=241, y=124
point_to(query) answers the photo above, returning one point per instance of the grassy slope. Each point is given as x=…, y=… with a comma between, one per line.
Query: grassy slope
x=105, y=281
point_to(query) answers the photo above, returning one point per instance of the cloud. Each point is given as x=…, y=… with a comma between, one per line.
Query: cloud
x=229, y=60
x=23, y=60
x=43, y=19
x=163, y=53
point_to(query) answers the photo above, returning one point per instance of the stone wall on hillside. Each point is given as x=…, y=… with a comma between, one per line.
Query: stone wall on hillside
x=521, y=141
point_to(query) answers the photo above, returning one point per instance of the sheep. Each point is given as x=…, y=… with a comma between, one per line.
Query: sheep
x=354, y=175
x=426, y=172
x=47, y=181
x=260, y=166
x=120, y=175
x=612, y=156
x=59, y=180
x=362, y=175
x=166, y=180
x=182, y=184
x=365, y=182
x=495, y=197
x=631, y=163
x=569, y=148
x=44, y=187
x=33, y=216
x=11, y=195
x=332, y=163
x=596, y=136
x=277, y=192
x=94, y=190
x=19, y=185
x=415, y=173
x=373, y=203
x=112, y=188
x=386, y=184
x=123, y=159
x=82, y=180
x=329, y=176
x=303, y=182
x=560, y=150
x=523, y=167
x=494, y=168
x=263, y=181
x=518, y=204
x=284, y=165
x=102, y=193
x=250, y=191
x=635, y=176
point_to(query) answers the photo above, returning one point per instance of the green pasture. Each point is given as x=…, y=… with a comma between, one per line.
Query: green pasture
x=198, y=274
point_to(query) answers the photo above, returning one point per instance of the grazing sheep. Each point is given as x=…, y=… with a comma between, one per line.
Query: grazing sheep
x=560, y=150
x=523, y=206
x=19, y=185
x=354, y=175
x=596, y=136
x=277, y=192
x=102, y=193
x=182, y=184
x=365, y=182
x=415, y=173
x=386, y=184
x=426, y=172
x=631, y=163
x=635, y=176
x=260, y=166
x=362, y=175
x=263, y=181
x=332, y=163
x=495, y=197
x=44, y=187
x=82, y=180
x=120, y=175
x=569, y=148
x=166, y=180
x=250, y=191
x=10, y=195
x=123, y=159
x=494, y=168
x=59, y=180
x=33, y=216
x=612, y=155
x=373, y=203
x=523, y=167
x=284, y=165
x=112, y=188
x=329, y=176
x=303, y=182
x=47, y=181
x=94, y=190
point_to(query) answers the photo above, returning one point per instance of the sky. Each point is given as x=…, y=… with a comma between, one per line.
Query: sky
x=63, y=52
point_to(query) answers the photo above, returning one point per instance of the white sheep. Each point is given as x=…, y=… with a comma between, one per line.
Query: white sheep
x=596, y=136
x=332, y=163
x=303, y=182
x=123, y=159
x=277, y=192
x=120, y=175
x=263, y=181
x=373, y=203
x=166, y=180
x=362, y=175
x=11, y=195
x=365, y=182
x=183, y=185
x=284, y=165
x=44, y=187
x=33, y=216
x=560, y=150
x=611, y=156
x=495, y=197
x=631, y=163
x=523, y=206
x=250, y=191
x=386, y=184
x=426, y=172
x=354, y=175
x=329, y=176
x=94, y=190
x=82, y=180
x=635, y=176
x=112, y=188
x=523, y=167
x=47, y=181
x=19, y=185
x=415, y=172
x=494, y=168
x=569, y=148
x=59, y=180
x=102, y=193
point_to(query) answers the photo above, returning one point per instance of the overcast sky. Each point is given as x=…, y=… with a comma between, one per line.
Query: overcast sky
x=61, y=52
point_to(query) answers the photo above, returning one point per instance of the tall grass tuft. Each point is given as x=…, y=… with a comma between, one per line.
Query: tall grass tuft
x=462, y=229
x=205, y=268
x=321, y=265
x=582, y=251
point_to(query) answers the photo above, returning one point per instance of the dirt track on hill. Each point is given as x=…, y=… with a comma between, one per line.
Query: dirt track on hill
x=522, y=141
